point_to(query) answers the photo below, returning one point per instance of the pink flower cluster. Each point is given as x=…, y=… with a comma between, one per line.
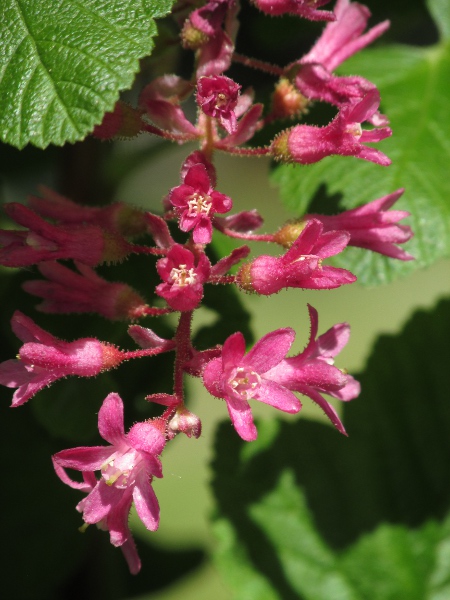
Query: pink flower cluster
x=54, y=229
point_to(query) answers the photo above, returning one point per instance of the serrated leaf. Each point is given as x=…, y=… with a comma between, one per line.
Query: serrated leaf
x=64, y=62
x=415, y=90
x=306, y=513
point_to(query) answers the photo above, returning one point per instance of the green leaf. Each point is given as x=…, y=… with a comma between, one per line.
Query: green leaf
x=415, y=90
x=63, y=64
x=306, y=513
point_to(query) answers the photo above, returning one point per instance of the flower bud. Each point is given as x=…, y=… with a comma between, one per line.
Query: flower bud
x=191, y=37
x=287, y=101
x=185, y=422
x=290, y=231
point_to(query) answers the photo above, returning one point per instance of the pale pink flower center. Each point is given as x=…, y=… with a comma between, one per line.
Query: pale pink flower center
x=183, y=276
x=117, y=470
x=221, y=100
x=354, y=129
x=244, y=382
x=199, y=204
x=34, y=240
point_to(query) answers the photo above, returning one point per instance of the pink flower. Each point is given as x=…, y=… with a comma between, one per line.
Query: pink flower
x=339, y=40
x=127, y=467
x=301, y=266
x=43, y=359
x=307, y=144
x=88, y=244
x=238, y=377
x=344, y=37
x=312, y=372
x=243, y=222
x=117, y=216
x=183, y=277
x=217, y=96
x=161, y=100
x=210, y=31
x=89, y=482
x=67, y=291
x=301, y=8
x=373, y=227
x=196, y=202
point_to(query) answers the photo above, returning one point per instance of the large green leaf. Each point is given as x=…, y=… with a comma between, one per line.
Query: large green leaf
x=306, y=513
x=64, y=62
x=415, y=90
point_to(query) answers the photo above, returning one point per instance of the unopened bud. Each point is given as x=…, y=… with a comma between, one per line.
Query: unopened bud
x=290, y=231
x=244, y=278
x=111, y=356
x=185, y=422
x=287, y=101
x=191, y=37
x=115, y=248
x=279, y=147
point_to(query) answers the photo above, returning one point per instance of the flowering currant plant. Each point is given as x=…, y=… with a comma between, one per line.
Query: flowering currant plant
x=66, y=249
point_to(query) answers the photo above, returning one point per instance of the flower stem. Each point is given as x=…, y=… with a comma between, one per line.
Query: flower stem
x=258, y=64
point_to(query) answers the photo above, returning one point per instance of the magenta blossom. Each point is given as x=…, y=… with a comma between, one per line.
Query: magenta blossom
x=89, y=482
x=88, y=244
x=307, y=144
x=373, y=226
x=196, y=202
x=217, y=96
x=118, y=216
x=67, y=291
x=339, y=40
x=344, y=37
x=301, y=8
x=43, y=359
x=161, y=99
x=210, y=31
x=127, y=468
x=301, y=266
x=312, y=372
x=183, y=277
x=238, y=377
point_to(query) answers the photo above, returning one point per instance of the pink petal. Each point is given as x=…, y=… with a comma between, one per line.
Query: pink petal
x=98, y=503
x=131, y=556
x=117, y=519
x=85, y=458
x=233, y=350
x=242, y=419
x=270, y=392
x=269, y=350
x=330, y=343
x=146, y=503
x=213, y=377
x=327, y=408
x=110, y=420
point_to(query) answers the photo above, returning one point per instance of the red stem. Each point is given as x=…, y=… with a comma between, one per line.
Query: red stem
x=253, y=237
x=243, y=151
x=148, y=250
x=258, y=64
x=173, y=137
x=183, y=350
x=222, y=279
x=169, y=345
